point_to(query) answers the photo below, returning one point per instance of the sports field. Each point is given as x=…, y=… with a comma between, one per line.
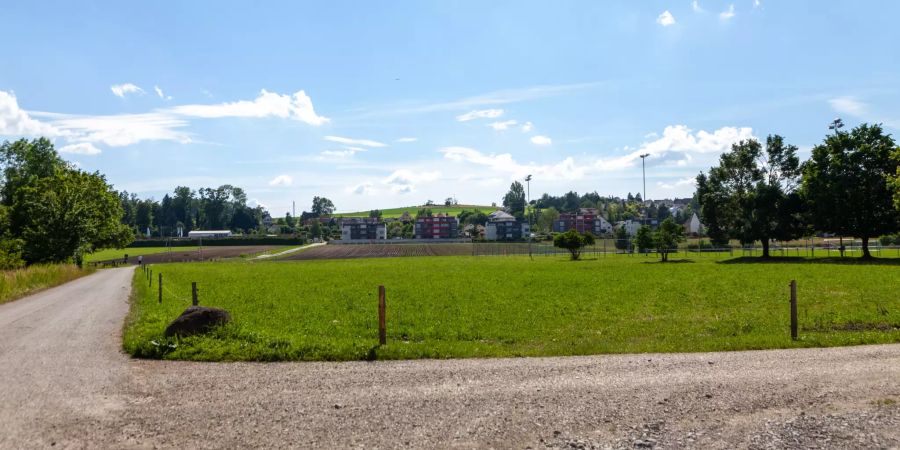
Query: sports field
x=463, y=306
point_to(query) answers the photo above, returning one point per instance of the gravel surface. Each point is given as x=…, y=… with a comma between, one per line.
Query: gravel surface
x=66, y=384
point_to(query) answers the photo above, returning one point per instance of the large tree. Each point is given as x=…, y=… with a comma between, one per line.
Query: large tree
x=846, y=184
x=321, y=206
x=752, y=194
x=514, y=200
x=24, y=162
x=667, y=237
x=69, y=214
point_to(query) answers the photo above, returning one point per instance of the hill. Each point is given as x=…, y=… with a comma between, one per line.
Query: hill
x=437, y=209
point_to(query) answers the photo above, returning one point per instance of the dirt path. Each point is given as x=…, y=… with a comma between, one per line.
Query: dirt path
x=64, y=383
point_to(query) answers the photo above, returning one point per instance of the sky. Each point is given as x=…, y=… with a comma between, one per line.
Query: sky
x=388, y=104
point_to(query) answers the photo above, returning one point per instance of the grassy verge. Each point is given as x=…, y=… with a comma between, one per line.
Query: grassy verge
x=107, y=254
x=18, y=283
x=440, y=307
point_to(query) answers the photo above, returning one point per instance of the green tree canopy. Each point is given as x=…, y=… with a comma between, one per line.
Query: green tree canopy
x=667, y=237
x=573, y=241
x=514, y=200
x=752, y=194
x=643, y=239
x=846, y=184
x=321, y=206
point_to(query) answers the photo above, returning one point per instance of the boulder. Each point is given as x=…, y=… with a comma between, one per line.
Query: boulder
x=197, y=320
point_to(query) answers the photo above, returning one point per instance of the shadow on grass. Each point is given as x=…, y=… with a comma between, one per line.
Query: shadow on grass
x=804, y=260
x=671, y=261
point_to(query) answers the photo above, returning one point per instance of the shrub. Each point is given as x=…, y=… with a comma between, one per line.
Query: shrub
x=573, y=241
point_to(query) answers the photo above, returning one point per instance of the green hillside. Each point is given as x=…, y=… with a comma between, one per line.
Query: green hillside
x=437, y=209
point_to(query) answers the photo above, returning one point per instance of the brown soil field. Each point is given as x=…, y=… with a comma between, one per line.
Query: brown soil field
x=347, y=251
x=208, y=253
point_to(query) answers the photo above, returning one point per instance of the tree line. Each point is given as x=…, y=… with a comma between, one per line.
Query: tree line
x=850, y=186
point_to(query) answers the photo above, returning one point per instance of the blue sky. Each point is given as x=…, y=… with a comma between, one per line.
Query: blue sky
x=381, y=104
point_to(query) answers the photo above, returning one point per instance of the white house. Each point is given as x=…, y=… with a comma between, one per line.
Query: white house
x=694, y=226
x=199, y=234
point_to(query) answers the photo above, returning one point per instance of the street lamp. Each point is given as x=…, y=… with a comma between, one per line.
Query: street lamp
x=527, y=205
x=836, y=125
x=644, y=171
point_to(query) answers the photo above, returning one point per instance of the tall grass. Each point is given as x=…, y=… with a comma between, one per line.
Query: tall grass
x=20, y=282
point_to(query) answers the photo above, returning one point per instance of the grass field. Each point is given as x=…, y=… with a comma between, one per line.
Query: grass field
x=441, y=307
x=21, y=282
x=437, y=209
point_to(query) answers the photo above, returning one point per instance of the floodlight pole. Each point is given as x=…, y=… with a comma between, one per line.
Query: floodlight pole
x=527, y=205
x=836, y=125
x=644, y=175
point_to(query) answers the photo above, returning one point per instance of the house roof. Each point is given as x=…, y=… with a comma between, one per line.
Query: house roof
x=500, y=216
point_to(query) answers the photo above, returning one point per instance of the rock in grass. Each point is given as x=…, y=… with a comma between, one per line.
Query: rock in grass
x=197, y=320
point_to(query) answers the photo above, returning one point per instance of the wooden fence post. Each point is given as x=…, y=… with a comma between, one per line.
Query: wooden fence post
x=382, y=332
x=794, y=309
x=194, y=299
x=151, y=277
x=160, y=288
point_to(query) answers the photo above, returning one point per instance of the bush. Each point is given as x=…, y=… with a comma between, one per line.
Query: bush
x=890, y=239
x=573, y=241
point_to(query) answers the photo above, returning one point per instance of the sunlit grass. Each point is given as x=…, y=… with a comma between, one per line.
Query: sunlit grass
x=440, y=307
x=20, y=282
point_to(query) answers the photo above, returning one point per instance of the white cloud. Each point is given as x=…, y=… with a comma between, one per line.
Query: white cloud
x=500, y=126
x=160, y=93
x=728, y=13
x=666, y=18
x=480, y=114
x=695, y=5
x=757, y=4
x=849, y=105
x=120, y=130
x=297, y=106
x=407, y=177
x=541, y=140
x=406, y=139
x=527, y=127
x=357, y=142
x=15, y=121
x=362, y=189
x=687, y=181
x=84, y=148
x=281, y=180
x=121, y=90
x=338, y=154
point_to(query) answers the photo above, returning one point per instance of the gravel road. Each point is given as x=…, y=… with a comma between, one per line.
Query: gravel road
x=64, y=383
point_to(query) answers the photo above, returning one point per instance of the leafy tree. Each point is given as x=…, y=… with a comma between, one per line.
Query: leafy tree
x=183, y=206
x=667, y=237
x=244, y=219
x=752, y=194
x=896, y=180
x=643, y=239
x=514, y=200
x=546, y=218
x=144, y=215
x=395, y=230
x=573, y=241
x=621, y=238
x=846, y=184
x=424, y=212
x=289, y=220
x=663, y=212
x=375, y=214
x=10, y=247
x=69, y=214
x=321, y=206
x=25, y=162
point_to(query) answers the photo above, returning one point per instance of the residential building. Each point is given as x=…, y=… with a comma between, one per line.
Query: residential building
x=439, y=226
x=502, y=226
x=583, y=223
x=363, y=229
x=693, y=226
x=199, y=234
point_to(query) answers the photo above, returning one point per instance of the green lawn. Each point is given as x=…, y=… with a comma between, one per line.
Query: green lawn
x=104, y=255
x=440, y=307
x=397, y=212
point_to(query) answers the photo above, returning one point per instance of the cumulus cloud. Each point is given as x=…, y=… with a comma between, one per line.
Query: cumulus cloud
x=15, y=121
x=541, y=140
x=480, y=114
x=281, y=180
x=406, y=139
x=849, y=105
x=687, y=181
x=121, y=90
x=403, y=181
x=358, y=142
x=83, y=148
x=160, y=93
x=728, y=13
x=362, y=189
x=297, y=106
x=527, y=127
x=500, y=126
x=666, y=19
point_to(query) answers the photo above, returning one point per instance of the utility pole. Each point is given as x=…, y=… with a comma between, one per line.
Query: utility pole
x=836, y=125
x=293, y=208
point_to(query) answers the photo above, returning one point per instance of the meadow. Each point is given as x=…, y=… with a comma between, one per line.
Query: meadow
x=394, y=213
x=18, y=283
x=463, y=306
